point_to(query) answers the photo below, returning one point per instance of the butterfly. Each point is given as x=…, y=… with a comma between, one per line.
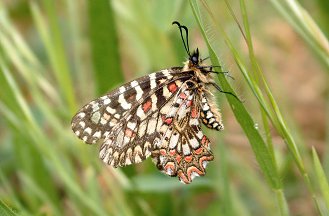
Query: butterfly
x=159, y=116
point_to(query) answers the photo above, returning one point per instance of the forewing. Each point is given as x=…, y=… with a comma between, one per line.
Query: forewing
x=132, y=139
x=95, y=120
x=183, y=149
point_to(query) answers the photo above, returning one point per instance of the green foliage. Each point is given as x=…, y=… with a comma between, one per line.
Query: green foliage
x=53, y=60
x=104, y=45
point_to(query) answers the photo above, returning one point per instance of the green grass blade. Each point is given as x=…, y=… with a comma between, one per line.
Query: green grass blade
x=276, y=117
x=262, y=154
x=321, y=179
x=52, y=39
x=304, y=24
x=5, y=210
x=104, y=43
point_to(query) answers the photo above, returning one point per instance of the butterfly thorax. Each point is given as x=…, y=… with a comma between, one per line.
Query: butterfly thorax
x=201, y=71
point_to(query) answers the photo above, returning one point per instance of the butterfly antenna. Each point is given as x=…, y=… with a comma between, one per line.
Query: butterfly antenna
x=185, y=42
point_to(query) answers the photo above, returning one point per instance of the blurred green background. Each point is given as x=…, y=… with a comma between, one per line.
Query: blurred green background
x=271, y=159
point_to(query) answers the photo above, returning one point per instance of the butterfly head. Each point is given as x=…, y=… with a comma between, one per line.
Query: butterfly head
x=194, y=62
x=194, y=59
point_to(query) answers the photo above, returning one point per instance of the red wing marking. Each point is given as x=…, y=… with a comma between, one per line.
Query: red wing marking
x=178, y=158
x=172, y=152
x=147, y=106
x=182, y=96
x=204, y=140
x=129, y=133
x=198, y=151
x=194, y=113
x=172, y=87
x=163, y=151
x=188, y=158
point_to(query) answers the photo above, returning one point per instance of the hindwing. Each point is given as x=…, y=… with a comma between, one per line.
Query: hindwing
x=183, y=150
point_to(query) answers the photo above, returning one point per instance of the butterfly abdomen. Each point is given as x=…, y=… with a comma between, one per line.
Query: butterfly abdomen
x=209, y=113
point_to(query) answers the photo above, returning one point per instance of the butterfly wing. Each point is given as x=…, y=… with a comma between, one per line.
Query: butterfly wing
x=95, y=120
x=128, y=135
x=132, y=139
x=183, y=149
x=156, y=115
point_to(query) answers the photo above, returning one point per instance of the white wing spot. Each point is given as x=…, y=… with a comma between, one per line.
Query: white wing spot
x=95, y=117
x=103, y=121
x=138, y=150
x=122, y=89
x=140, y=113
x=194, y=174
x=147, y=146
x=166, y=92
x=128, y=161
x=166, y=73
x=152, y=79
x=81, y=115
x=82, y=124
x=186, y=149
x=88, y=130
x=134, y=83
x=173, y=141
x=209, y=115
x=138, y=159
x=97, y=134
x=151, y=125
x=205, y=107
x=131, y=125
x=106, y=134
x=142, y=129
x=194, y=143
x=204, y=164
x=139, y=92
x=154, y=102
x=124, y=104
x=110, y=110
x=113, y=122
x=95, y=107
x=107, y=101
x=199, y=134
x=194, y=122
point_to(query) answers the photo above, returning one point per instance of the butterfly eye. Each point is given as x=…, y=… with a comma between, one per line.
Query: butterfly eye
x=195, y=60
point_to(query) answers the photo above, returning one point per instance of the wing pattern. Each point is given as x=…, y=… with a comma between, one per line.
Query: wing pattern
x=95, y=120
x=183, y=149
x=209, y=114
x=131, y=140
x=158, y=115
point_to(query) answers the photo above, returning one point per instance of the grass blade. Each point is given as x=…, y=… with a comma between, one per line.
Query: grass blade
x=248, y=125
x=104, y=43
x=322, y=180
x=5, y=210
